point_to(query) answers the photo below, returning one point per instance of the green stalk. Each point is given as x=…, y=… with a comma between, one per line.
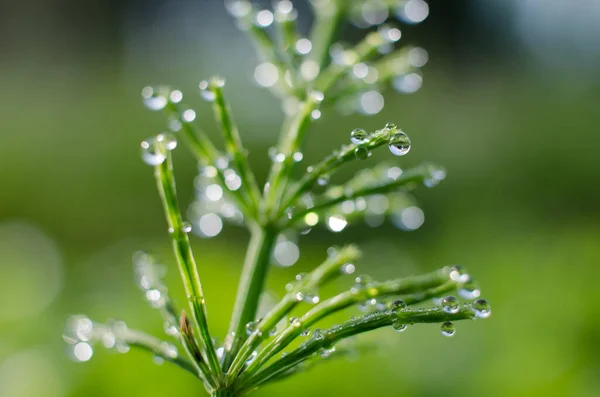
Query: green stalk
x=324, y=273
x=407, y=181
x=254, y=273
x=422, y=287
x=233, y=145
x=290, y=141
x=353, y=327
x=205, y=153
x=185, y=258
x=327, y=22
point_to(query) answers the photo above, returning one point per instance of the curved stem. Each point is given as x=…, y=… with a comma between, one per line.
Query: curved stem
x=185, y=258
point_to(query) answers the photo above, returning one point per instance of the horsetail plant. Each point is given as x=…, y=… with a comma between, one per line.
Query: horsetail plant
x=309, y=75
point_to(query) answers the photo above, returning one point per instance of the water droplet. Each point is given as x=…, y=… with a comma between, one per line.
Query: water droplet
x=399, y=327
x=448, y=328
x=303, y=46
x=155, y=298
x=413, y=11
x=286, y=253
x=362, y=153
x=252, y=357
x=176, y=96
x=210, y=225
x=309, y=70
x=83, y=351
x=220, y=353
x=266, y=74
x=418, y=57
x=336, y=223
x=306, y=332
x=298, y=156
x=171, y=329
x=188, y=115
x=250, y=328
x=295, y=322
x=158, y=360
x=371, y=102
x=450, y=304
x=389, y=34
x=152, y=153
x=348, y=268
x=436, y=175
x=398, y=305
x=399, y=144
x=362, y=280
x=186, y=227
x=169, y=350
x=317, y=96
x=317, y=334
x=469, y=290
x=315, y=114
x=276, y=156
x=325, y=353
x=205, y=91
x=359, y=136
x=264, y=18
x=273, y=331
x=154, y=98
x=323, y=180
x=482, y=308
x=408, y=83
x=232, y=180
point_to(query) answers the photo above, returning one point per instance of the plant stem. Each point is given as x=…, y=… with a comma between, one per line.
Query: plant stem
x=251, y=285
x=185, y=258
x=323, y=32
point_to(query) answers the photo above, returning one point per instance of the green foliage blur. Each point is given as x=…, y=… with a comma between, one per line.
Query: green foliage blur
x=519, y=210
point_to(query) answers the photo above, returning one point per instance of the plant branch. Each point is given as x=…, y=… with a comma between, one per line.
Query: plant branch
x=204, y=151
x=421, y=287
x=328, y=270
x=369, y=322
x=290, y=141
x=185, y=259
x=233, y=145
x=407, y=180
x=251, y=285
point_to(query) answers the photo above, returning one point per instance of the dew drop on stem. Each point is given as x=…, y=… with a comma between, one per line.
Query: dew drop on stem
x=448, y=328
x=450, y=304
x=482, y=308
x=359, y=136
x=399, y=144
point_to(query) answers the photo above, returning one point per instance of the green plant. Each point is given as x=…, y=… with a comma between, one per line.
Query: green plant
x=301, y=73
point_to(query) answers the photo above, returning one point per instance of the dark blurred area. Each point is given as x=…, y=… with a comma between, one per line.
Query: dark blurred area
x=510, y=105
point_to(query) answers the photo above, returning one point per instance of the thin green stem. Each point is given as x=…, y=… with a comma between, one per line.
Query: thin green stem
x=254, y=273
x=422, y=287
x=159, y=349
x=327, y=22
x=407, y=180
x=363, y=51
x=234, y=147
x=185, y=259
x=205, y=152
x=369, y=322
x=332, y=162
x=327, y=271
x=290, y=140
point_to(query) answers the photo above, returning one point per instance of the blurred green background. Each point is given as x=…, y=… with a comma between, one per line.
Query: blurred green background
x=510, y=105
